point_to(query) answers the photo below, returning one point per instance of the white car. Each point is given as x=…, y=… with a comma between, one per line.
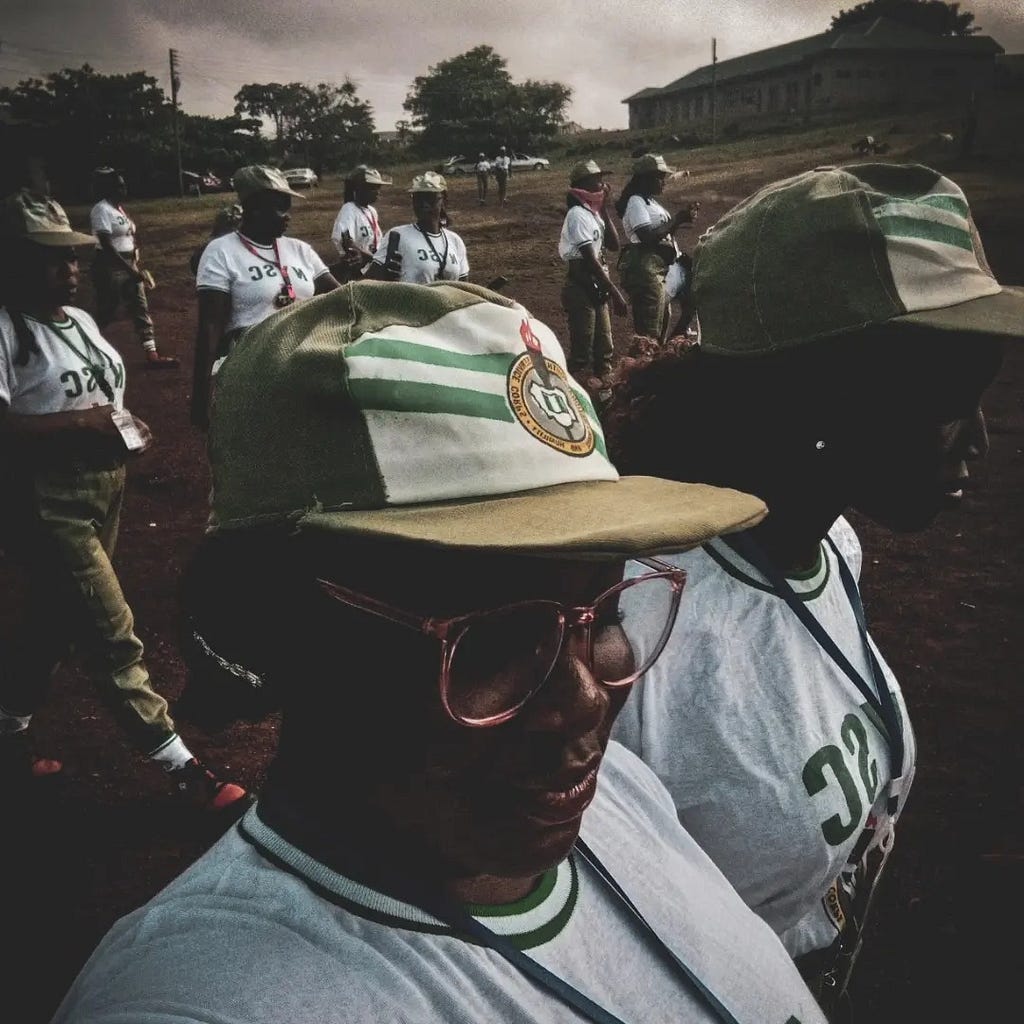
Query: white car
x=522, y=162
x=301, y=177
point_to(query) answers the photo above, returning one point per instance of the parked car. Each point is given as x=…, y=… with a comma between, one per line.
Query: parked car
x=523, y=162
x=196, y=183
x=457, y=165
x=301, y=177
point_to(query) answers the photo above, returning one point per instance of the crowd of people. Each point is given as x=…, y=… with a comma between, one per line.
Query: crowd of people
x=609, y=739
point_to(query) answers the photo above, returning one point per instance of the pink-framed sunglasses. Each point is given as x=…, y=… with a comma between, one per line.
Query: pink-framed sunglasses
x=494, y=661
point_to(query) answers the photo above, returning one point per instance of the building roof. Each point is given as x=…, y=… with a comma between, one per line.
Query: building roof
x=880, y=34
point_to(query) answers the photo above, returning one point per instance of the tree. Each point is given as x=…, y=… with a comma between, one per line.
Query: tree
x=90, y=119
x=463, y=103
x=941, y=19
x=325, y=125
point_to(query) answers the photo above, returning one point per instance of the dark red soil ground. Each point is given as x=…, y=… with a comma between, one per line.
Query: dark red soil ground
x=945, y=607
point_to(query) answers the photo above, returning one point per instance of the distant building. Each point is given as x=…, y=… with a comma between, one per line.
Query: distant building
x=868, y=65
x=395, y=138
x=571, y=128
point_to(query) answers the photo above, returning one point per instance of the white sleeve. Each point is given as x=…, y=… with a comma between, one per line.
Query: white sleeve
x=462, y=266
x=636, y=215
x=846, y=541
x=336, y=231
x=578, y=228
x=313, y=257
x=675, y=281
x=99, y=219
x=213, y=271
x=8, y=341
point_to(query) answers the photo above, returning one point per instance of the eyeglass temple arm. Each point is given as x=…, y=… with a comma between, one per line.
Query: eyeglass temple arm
x=375, y=607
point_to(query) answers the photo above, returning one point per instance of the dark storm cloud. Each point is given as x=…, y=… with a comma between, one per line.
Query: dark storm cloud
x=605, y=49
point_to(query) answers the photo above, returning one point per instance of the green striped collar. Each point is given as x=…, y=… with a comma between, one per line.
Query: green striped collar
x=62, y=325
x=532, y=921
x=806, y=585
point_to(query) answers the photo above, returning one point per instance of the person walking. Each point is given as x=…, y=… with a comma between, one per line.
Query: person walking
x=425, y=250
x=445, y=833
x=65, y=435
x=651, y=247
x=502, y=167
x=356, y=232
x=849, y=327
x=117, y=277
x=249, y=273
x=588, y=289
x=483, y=172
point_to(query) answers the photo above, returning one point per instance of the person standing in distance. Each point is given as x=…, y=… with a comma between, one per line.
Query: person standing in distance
x=249, y=273
x=483, y=171
x=588, y=289
x=425, y=250
x=65, y=436
x=502, y=172
x=117, y=278
x=356, y=232
x=849, y=326
x=651, y=246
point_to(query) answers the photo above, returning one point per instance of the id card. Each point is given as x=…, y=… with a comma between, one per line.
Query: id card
x=134, y=433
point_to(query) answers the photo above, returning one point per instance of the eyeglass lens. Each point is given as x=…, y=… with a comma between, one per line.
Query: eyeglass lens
x=505, y=656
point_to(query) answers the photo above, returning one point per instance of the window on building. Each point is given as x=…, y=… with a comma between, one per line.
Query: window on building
x=817, y=78
x=865, y=73
x=698, y=107
x=843, y=73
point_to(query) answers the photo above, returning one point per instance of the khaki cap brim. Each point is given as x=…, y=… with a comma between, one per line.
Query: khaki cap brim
x=601, y=519
x=59, y=239
x=1000, y=315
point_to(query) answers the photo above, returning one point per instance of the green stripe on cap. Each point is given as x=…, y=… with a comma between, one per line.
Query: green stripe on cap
x=411, y=396
x=902, y=226
x=393, y=348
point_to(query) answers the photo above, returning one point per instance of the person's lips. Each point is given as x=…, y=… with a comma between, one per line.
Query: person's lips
x=562, y=798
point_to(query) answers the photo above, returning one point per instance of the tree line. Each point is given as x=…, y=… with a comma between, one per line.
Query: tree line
x=77, y=119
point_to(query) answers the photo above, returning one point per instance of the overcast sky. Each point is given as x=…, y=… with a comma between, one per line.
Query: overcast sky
x=604, y=49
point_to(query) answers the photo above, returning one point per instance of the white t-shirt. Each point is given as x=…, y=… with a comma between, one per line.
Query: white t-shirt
x=258, y=931
x=763, y=742
x=581, y=227
x=503, y=164
x=482, y=167
x=421, y=255
x=362, y=225
x=64, y=374
x=645, y=213
x=675, y=281
x=254, y=281
x=105, y=216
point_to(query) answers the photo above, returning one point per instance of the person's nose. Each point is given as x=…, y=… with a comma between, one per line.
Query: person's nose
x=572, y=701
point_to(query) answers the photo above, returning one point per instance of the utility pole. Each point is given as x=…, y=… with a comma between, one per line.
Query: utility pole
x=714, y=94
x=175, y=86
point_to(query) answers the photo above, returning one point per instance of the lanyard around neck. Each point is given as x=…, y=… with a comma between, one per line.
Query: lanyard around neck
x=443, y=260
x=878, y=696
x=92, y=356
x=286, y=284
x=370, y=215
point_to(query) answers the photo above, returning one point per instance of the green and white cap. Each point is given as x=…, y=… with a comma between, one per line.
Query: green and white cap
x=584, y=169
x=259, y=178
x=437, y=414
x=429, y=181
x=35, y=218
x=838, y=249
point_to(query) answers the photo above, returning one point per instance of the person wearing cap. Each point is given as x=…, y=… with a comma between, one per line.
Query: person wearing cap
x=249, y=273
x=117, y=277
x=502, y=167
x=65, y=435
x=849, y=326
x=356, y=232
x=417, y=547
x=651, y=246
x=425, y=250
x=226, y=219
x=483, y=171
x=586, y=230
